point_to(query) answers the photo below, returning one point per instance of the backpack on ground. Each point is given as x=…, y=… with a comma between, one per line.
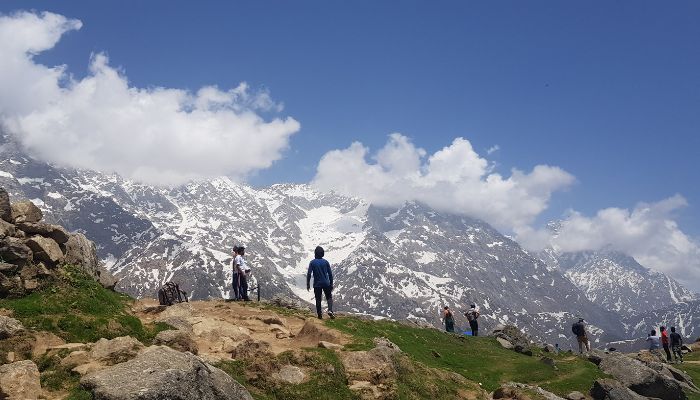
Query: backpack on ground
x=170, y=294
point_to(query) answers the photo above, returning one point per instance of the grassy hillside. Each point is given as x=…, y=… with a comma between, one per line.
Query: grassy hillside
x=479, y=359
x=78, y=309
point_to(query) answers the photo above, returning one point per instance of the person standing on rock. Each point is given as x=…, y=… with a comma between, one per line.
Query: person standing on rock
x=449, y=319
x=473, y=316
x=579, y=329
x=320, y=268
x=243, y=272
x=676, y=344
x=666, y=343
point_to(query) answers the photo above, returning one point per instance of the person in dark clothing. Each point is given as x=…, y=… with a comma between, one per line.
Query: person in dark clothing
x=472, y=316
x=665, y=342
x=676, y=345
x=240, y=265
x=579, y=329
x=323, y=281
x=236, y=281
x=449, y=319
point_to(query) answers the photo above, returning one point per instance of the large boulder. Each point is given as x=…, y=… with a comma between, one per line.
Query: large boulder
x=163, y=373
x=5, y=207
x=9, y=327
x=115, y=351
x=82, y=252
x=610, y=389
x=372, y=374
x=14, y=251
x=26, y=211
x=20, y=381
x=45, y=250
x=55, y=232
x=641, y=379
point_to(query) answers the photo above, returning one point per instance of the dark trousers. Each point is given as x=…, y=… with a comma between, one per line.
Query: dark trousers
x=475, y=327
x=243, y=291
x=329, y=299
x=236, y=284
x=668, y=352
x=677, y=352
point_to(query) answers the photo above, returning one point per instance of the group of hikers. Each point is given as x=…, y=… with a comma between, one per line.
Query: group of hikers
x=319, y=268
x=472, y=315
x=670, y=343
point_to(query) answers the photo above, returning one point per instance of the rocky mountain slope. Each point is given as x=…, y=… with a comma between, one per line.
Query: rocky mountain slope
x=401, y=263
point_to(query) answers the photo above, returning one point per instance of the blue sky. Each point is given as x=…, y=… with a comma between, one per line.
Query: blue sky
x=607, y=91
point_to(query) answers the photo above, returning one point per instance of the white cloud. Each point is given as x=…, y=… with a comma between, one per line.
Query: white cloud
x=454, y=179
x=157, y=135
x=648, y=232
x=493, y=149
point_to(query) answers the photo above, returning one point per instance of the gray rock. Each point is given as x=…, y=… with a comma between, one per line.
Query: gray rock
x=290, y=374
x=55, y=232
x=163, y=373
x=641, y=379
x=5, y=207
x=26, y=211
x=549, y=361
x=610, y=389
x=11, y=286
x=115, y=351
x=576, y=396
x=9, y=327
x=20, y=381
x=45, y=250
x=328, y=345
x=82, y=252
x=505, y=343
x=7, y=229
x=14, y=251
x=548, y=348
x=176, y=339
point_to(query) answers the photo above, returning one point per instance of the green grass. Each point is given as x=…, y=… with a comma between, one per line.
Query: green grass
x=692, y=368
x=479, y=359
x=326, y=381
x=78, y=309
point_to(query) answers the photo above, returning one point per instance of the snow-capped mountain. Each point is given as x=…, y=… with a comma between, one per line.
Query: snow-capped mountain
x=403, y=263
x=619, y=283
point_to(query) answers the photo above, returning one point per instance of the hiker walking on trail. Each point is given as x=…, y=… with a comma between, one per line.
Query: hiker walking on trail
x=676, y=344
x=579, y=329
x=320, y=268
x=473, y=316
x=666, y=343
x=449, y=319
x=243, y=273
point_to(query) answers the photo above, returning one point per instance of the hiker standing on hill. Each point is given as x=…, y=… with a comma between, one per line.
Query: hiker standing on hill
x=449, y=319
x=473, y=316
x=236, y=281
x=323, y=281
x=666, y=343
x=579, y=329
x=676, y=344
x=243, y=273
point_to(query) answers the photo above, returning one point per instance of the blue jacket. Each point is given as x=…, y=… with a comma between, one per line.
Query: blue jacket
x=321, y=270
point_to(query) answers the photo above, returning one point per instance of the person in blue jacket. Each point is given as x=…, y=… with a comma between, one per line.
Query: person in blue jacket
x=320, y=268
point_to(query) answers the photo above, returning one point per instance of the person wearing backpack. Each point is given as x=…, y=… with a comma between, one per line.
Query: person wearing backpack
x=320, y=268
x=473, y=316
x=666, y=343
x=676, y=345
x=243, y=272
x=449, y=319
x=579, y=329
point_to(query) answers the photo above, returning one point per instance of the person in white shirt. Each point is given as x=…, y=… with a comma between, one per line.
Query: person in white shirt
x=243, y=272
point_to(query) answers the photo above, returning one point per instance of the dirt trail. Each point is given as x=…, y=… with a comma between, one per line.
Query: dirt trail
x=218, y=326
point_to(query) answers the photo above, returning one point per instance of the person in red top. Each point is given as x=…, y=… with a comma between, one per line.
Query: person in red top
x=666, y=343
